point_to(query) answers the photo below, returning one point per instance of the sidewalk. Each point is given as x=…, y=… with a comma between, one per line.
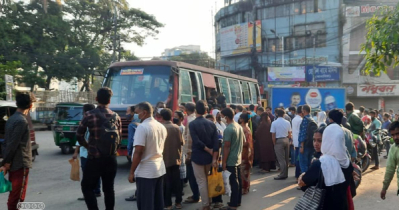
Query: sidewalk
x=40, y=127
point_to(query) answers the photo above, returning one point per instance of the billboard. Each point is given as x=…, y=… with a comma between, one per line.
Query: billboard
x=317, y=98
x=296, y=74
x=367, y=10
x=238, y=39
x=9, y=80
x=322, y=73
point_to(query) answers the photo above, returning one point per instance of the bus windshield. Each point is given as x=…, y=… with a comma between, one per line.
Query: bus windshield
x=132, y=85
x=69, y=113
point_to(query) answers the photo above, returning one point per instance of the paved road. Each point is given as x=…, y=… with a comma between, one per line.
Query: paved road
x=49, y=183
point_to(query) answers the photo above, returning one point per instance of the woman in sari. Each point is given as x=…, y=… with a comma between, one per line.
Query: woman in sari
x=267, y=160
x=247, y=154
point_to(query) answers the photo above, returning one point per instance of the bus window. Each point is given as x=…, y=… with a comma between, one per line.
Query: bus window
x=185, y=90
x=132, y=85
x=224, y=86
x=201, y=85
x=235, y=92
x=254, y=93
x=245, y=93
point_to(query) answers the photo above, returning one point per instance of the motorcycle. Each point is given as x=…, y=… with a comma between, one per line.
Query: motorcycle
x=385, y=139
x=363, y=155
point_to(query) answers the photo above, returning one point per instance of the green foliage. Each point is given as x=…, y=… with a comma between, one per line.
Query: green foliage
x=70, y=40
x=199, y=59
x=382, y=41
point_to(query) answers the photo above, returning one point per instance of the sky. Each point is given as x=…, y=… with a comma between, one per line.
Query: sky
x=187, y=22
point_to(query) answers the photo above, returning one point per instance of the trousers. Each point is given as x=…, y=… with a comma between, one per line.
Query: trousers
x=282, y=149
x=96, y=168
x=150, y=193
x=172, y=184
x=192, y=181
x=19, y=182
x=201, y=174
x=236, y=185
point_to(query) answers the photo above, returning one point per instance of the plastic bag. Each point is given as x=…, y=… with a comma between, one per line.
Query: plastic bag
x=215, y=184
x=226, y=181
x=5, y=185
x=75, y=169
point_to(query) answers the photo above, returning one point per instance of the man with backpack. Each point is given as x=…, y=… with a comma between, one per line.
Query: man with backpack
x=105, y=129
x=305, y=139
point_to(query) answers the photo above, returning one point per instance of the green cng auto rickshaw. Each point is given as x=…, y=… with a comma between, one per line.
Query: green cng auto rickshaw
x=67, y=117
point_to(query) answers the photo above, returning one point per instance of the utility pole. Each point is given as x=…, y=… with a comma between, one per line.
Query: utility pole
x=254, y=56
x=314, y=59
x=115, y=24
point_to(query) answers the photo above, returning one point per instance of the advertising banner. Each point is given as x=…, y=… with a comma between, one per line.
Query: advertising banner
x=378, y=90
x=9, y=86
x=367, y=10
x=318, y=98
x=238, y=39
x=322, y=73
x=296, y=73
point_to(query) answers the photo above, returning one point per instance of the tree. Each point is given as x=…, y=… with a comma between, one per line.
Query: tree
x=68, y=41
x=199, y=59
x=382, y=41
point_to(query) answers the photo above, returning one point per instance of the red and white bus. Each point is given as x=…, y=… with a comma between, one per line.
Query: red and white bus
x=173, y=83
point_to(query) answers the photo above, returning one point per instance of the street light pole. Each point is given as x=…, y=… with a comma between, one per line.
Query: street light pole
x=282, y=53
x=314, y=58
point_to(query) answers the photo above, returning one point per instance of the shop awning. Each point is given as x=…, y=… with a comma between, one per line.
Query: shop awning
x=209, y=80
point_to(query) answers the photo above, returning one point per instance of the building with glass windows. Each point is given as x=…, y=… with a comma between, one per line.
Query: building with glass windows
x=293, y=40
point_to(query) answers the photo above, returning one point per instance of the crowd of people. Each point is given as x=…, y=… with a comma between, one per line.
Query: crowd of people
x=169, y=150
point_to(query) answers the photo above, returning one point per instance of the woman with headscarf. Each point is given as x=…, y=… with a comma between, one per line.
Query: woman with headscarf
x=219, y=123
x=247, y=153
x=267, y=159
x=321, y=119
x=333, y=166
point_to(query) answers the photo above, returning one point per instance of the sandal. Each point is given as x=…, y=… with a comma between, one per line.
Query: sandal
x=191, y=200
x=375, y=168
x=218, y=205
x=178, y=206
x=168, y=208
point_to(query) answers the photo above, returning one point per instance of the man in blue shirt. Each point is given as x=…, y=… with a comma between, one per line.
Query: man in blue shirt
x=134, y=118
x=205, y=150
x=375, y=124
x=305, y=139
x=252, y=110
x=385, y=125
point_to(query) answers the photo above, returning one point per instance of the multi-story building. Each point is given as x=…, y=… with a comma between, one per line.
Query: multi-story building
x=184, y=49
x=291, y=36
x=302, y=43
x=373, y=91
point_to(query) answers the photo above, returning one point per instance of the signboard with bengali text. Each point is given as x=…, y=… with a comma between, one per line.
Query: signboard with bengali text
x=378, y=90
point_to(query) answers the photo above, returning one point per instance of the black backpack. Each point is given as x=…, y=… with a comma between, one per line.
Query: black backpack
x=109, y=134
x=312, y=127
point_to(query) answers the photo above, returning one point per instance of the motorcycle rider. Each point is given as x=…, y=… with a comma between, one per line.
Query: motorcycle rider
x=385, y=125
x=375, y=125
x=393, y=160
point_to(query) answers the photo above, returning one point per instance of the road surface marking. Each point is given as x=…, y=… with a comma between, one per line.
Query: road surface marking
x=282, y=203
x=281, y=191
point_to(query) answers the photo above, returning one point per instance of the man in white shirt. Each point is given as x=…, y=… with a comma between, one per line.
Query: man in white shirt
x=148, y=166
x=238, y=110
x=296, y=124
x=281, y=132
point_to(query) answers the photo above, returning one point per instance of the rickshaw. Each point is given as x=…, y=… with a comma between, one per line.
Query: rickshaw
x=8, y=108
x=67, y=117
